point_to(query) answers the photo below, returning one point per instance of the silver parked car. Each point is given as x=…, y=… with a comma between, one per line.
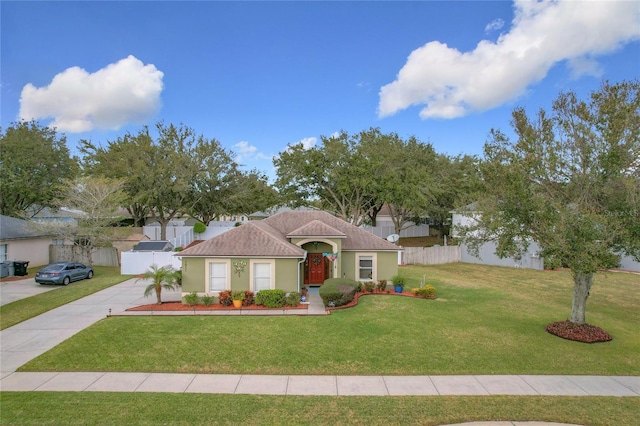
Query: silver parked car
x=63, y=273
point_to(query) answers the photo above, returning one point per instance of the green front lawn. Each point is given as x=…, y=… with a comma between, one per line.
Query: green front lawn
x=21, y=310
x=99, y=408
x=487, y=320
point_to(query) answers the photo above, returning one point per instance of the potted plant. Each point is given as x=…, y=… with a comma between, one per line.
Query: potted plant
x=237, y=297
x=398, y=283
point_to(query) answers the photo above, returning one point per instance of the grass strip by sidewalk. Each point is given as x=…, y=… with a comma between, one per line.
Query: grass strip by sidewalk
x=486, y=321
x=99, y=408
x=23, y=309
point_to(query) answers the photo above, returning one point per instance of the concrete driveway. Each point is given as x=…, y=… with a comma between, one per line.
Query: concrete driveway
x=10, y=291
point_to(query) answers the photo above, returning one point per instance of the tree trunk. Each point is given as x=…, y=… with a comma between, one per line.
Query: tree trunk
x=581, y=286
x=159, y=295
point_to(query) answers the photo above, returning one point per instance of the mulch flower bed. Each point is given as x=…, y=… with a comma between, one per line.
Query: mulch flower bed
x=354, y=302
x=179, y=306
x=585, y=333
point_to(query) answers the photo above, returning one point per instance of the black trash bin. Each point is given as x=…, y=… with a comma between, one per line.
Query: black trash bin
x=20, y=267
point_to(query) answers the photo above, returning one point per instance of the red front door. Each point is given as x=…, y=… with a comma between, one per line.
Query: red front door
x=315, y=268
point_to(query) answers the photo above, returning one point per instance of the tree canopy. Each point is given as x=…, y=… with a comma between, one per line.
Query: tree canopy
x=570, y=182
x=355, y=175
x=177, y=172
x=34, y=162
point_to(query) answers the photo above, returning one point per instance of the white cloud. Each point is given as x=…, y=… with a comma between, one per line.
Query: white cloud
x=244, y=150
x=118, y=94
x=451, y=83
x=494, y=25
x=308, y=143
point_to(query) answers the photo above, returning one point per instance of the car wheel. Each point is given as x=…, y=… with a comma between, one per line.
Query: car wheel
x=90, y=275
x=66, y=281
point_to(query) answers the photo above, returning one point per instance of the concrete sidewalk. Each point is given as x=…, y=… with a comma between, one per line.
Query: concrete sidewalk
x=323, y=385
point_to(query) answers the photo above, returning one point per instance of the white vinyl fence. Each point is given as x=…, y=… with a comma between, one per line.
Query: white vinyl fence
x=134, y=263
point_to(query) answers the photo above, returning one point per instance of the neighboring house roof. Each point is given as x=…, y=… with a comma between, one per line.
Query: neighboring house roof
x=153, y=246
x=12, y=228
x=270, y=237
x=466, y=209
x=276, y=210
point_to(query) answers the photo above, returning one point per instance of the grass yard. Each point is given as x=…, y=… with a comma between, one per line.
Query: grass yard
x=21, y=310
x=487, y=320
x=97, y=408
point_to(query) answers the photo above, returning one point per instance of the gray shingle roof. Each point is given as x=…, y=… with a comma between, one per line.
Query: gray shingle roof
x=12, y=228
x=269, y=237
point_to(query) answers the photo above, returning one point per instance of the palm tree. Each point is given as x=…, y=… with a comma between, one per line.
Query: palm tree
x=164, y=277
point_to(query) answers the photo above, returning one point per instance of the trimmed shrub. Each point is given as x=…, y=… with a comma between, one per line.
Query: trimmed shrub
x=225, y=298
x=293, y=299
x=382, y=285
x=191, y=299
x=207, y=300
x=271, y=298
x=199, y=227
x=338, y=291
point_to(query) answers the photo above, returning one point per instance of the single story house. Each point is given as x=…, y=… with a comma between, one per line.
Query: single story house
x=23, y=240
x=287, y=251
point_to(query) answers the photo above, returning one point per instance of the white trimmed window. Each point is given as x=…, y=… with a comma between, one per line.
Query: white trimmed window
x=262, y=275
x=366, y=267
x=218, y=276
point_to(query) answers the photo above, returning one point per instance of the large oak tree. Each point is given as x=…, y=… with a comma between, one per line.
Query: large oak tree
x=570, y=182
x=34, y=161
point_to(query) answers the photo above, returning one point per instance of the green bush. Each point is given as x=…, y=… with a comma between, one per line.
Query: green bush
x=199, y=227
x=271, y=298
x=191, y=299
x=338, y=291
x=207, y=300
x=293, y=299
x=382, y=285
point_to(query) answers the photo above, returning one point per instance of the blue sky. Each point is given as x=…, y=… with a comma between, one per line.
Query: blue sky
x=258, y=76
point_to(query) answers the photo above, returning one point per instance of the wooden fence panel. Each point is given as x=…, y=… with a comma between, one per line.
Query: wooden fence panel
x=101, y=256
x=431, y=255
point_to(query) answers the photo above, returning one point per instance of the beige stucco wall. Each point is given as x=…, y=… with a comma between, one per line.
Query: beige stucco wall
x=194, y=274
x=386, y=264
x=35, y=251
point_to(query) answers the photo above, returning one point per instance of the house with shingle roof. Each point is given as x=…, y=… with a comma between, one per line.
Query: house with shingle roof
x=287, y=251
x=23, y=240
